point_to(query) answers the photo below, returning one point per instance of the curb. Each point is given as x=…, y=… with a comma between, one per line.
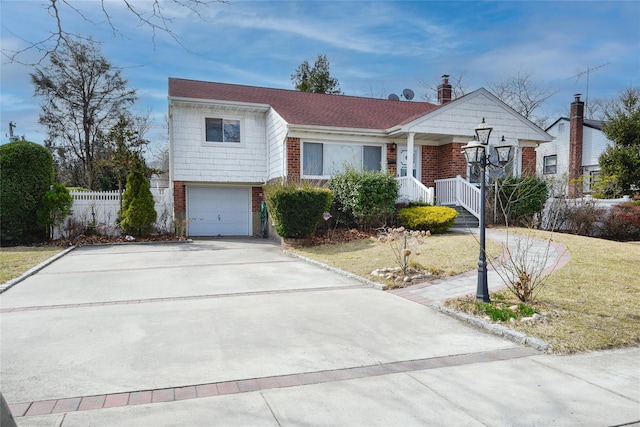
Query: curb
x=496, y=329
x=12, y=282
x=371, y=283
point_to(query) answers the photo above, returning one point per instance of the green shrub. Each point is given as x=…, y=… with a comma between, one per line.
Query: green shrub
x=367, y=197
x=55, y=207
x=138, y=208
x=437, y=219
x=296, y=211
x=521, y=198
x=27, y=174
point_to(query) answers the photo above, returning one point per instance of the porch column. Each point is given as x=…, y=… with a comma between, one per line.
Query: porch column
x=410, y=153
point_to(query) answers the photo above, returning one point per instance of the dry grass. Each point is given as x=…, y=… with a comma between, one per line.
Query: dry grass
x=596, y=297
x=15, y=261
x=444, y=254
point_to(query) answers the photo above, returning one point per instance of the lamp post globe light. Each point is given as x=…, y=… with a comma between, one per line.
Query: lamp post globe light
x=477, y=154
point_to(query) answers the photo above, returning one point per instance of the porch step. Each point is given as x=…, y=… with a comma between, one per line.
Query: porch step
x=465, y=219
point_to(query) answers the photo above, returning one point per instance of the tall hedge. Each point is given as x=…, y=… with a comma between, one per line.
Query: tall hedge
x=26, y=175
x=138, y=213
x=296, y=211
x=368, y=197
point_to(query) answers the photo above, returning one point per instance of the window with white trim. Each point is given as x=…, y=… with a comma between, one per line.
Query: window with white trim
x=550, y=164
x=319, y=159
x=222, y=130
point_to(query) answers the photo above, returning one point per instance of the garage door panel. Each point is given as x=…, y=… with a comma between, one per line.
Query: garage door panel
x=218, y=211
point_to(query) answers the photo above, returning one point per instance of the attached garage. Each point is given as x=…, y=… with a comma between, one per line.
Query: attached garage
x=218, y=211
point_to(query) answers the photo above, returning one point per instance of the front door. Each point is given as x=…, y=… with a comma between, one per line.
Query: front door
x=402, y=161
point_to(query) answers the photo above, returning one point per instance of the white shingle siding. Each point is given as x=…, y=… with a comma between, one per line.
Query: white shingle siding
x=195, y=160
x=460, y=118
x=276, y=131
x=594, y=143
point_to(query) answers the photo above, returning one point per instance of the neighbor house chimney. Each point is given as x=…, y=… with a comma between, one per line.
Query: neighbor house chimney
x=575, y=146
x=444, y=90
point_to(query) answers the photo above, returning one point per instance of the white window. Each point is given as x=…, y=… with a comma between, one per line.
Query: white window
x=320, y=159
x=594, y=178
x=222, y=130
x=550, y=164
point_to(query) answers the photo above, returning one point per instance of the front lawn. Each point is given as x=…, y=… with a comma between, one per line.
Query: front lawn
x=440, y=254
x=592, y=303
x=15, y=261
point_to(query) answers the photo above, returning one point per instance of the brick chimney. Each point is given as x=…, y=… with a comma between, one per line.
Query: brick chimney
x=444, y=90
x=575, y=146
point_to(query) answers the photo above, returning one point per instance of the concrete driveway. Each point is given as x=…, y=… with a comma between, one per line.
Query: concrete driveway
x=233, y=332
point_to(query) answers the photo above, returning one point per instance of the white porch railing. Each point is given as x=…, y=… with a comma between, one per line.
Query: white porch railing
x=460, y=192
x=410, y=189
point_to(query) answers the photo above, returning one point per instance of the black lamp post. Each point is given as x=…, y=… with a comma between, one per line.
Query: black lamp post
x=477, y=154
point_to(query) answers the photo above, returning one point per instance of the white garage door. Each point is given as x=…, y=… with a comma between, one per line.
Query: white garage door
x=218, y=211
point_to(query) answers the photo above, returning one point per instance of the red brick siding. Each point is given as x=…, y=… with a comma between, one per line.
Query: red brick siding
x=257, y=197
x=392, y=159
x=293, y=159
x=179, y=197
x=443, y=161
x=528, y=161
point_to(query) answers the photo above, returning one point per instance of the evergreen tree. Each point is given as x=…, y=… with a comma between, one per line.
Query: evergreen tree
x=317, y=79
x=621, y=161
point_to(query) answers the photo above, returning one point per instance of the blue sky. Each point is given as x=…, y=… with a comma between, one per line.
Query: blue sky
x=375, y=48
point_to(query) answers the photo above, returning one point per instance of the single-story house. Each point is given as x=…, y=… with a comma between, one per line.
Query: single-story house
x=227, y=141
x=574, y=151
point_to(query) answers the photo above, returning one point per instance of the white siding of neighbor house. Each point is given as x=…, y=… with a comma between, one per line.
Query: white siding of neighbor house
x=460, y=118
x=276, y=130
x=195, y=160
x=559, y=147
x=594, y=143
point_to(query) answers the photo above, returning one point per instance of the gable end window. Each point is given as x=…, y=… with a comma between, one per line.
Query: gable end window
x=222, y=130
x=550, y=164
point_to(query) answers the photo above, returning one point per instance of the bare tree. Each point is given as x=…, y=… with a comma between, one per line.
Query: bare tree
x=83, y=96
x=151, y=14
x=523, y=95
x=430, y=88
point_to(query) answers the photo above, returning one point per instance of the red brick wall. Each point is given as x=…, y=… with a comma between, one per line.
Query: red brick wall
x=392, y=159
x=179, y=197
x=256, y=198
x=528, y=161
x=443, y=161
x=293, y=159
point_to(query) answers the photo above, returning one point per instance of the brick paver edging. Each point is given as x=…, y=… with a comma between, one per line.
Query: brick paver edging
x=139, y=397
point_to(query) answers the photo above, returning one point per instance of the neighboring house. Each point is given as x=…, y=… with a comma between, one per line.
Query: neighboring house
x=227, y=141
x=574, y=152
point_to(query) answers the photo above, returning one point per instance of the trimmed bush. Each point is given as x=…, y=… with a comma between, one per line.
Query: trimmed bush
x=367, y=197
x=521, y=198
x=296, y=211
x=138, y=208
x=27, y=174
x=437, y=219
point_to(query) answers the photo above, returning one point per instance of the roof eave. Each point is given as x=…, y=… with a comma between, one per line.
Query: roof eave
x=220, y=103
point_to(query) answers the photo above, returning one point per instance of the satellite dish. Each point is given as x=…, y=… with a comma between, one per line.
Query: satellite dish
x=393, y=97
x=408, y=94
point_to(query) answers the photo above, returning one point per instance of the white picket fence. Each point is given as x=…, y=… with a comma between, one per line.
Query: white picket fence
x=101, y=209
